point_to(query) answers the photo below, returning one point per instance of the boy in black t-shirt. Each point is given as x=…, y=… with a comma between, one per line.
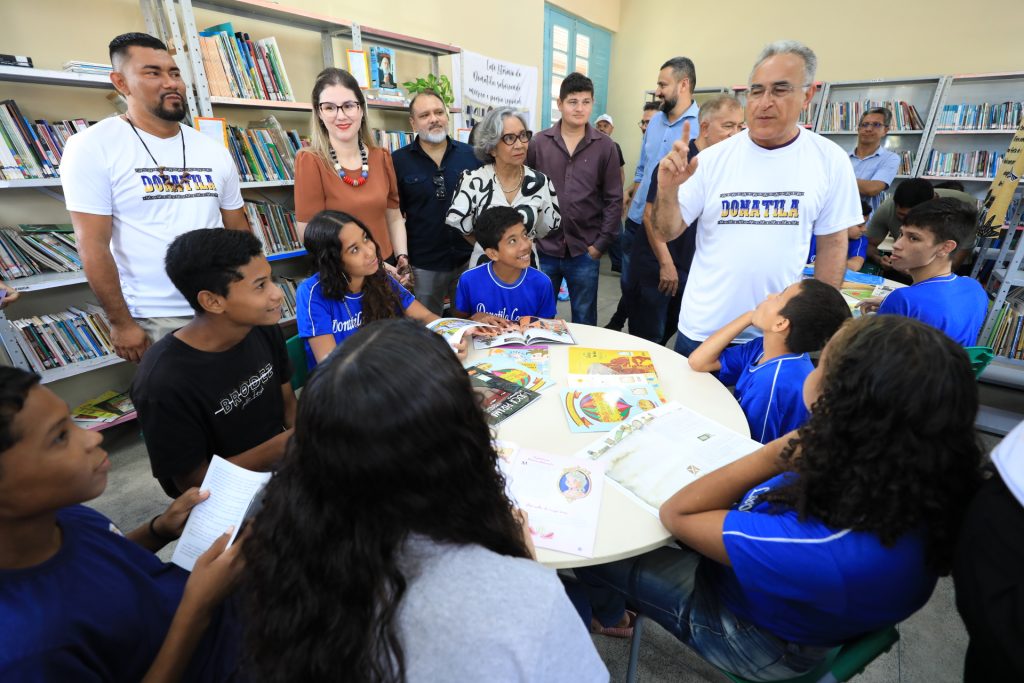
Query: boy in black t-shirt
x=221, y=384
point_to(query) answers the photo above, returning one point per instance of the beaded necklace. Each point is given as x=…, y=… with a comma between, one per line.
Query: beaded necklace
x=185, y=176
x=361, y=180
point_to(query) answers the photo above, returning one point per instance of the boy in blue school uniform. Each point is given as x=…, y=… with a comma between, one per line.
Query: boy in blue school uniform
x=769, y=371
x=506, y=287
x=857, y=250
x=932, y=233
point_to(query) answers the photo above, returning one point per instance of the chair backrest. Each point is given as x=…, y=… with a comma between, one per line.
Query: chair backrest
x=297, y=355
x=980, y=357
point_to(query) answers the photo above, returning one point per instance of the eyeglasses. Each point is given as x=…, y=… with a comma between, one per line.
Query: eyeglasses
x=439, y=190
x=870, y=124
x=777, y=90
x=510, y=138
x=331, y=109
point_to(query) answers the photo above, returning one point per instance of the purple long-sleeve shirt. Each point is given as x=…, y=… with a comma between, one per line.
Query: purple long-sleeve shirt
x=589, y=188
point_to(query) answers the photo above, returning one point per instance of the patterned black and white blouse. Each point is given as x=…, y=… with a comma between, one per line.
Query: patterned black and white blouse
x=479, y=190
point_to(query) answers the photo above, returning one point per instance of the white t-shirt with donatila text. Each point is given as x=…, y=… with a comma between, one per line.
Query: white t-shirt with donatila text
x=105, y=170
x=758, y=209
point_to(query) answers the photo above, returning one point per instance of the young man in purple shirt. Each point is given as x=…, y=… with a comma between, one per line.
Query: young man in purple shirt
x=583, y=163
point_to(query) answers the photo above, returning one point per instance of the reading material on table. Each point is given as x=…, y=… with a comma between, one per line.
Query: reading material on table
x=561, y=494
x=452, y=329
x=499, y=398
x=661, y=451
x=527, y=367
x=611, y=367
x=232, y=492
x=592, y=408
x=531, y=331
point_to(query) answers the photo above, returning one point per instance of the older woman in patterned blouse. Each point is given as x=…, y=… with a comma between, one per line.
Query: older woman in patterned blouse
x=504, y=180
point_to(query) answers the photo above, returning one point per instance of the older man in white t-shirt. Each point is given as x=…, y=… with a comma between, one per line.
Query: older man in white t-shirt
x=133, y=183
x=759, y=196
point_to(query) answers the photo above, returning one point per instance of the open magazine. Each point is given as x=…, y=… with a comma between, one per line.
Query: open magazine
x=453, y=329
x=531, y=331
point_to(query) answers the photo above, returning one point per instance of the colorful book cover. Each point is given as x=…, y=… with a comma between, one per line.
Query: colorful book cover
x=601, y=409
x=584, y=361
x=535, y=358
x=514, y=372
x=499, y=398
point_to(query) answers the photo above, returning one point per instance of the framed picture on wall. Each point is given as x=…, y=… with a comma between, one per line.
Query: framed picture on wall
x=359, y=67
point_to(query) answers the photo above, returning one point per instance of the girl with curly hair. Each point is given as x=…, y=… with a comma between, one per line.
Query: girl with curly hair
x=386, y=549
x=829, y=532
x=350, y=287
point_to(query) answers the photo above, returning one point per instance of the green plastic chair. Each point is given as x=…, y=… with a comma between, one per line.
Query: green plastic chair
x=841, y=664
x=980, y=357
x=297, y=355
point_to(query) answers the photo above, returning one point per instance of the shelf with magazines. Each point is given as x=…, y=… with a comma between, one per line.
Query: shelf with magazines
x=18, y=74
x=912, y=102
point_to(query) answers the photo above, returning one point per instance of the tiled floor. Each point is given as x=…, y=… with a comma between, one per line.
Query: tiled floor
x=930, y=650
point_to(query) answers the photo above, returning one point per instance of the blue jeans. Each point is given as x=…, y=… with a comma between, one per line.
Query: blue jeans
x=581, y=274
x=684, y=345
x=648, y=309
x=672, y=587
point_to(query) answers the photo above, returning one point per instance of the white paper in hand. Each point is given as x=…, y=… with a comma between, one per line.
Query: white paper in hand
x=232, y=489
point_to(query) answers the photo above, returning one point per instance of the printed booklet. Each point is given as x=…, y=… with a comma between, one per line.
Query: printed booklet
x=531, y=331
x=603, y=408
x=499, y=398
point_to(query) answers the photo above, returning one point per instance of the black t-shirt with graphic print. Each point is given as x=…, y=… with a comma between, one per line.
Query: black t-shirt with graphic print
x=195, y=404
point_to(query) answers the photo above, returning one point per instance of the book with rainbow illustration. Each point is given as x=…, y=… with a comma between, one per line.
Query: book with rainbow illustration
x=601, y=408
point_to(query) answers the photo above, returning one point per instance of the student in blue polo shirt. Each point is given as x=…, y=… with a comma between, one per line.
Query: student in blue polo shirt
x=825, y=534
x=349, y=289
x=858, y=249
x=769, y=372
x=506, y=287
x=932, y=233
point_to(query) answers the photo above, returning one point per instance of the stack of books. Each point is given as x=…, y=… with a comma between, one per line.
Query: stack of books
x=106, y=410
x=980, y=163
x=59, y=339
x=808, y=115
x=32, y=149
x=238, y=66
x=264, y=151
x=906, y=162
x=287, y=286
x=988, y=116
x=1007, y=335
x=80, y=67
x=33, y=249
x=274, y=225
x=844, y=116
x=392, y=139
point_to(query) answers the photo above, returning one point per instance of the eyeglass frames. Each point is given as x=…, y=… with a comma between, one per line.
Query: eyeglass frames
x=510, y=138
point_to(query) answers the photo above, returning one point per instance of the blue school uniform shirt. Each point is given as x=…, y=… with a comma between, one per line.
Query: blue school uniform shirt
x=813, y=584
x=99, y=610
x=857, y=247
x=771, y=395
x=954, y=304
x=481, y=291
x=317, y=315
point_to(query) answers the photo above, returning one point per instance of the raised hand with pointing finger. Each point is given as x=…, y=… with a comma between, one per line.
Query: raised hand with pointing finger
x=676, y=167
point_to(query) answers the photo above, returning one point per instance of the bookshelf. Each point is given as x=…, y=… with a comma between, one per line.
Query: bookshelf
x=17, y=74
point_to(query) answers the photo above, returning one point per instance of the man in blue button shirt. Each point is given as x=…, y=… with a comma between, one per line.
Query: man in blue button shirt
x=428, y=171
x=676, y=82
x=874, y=165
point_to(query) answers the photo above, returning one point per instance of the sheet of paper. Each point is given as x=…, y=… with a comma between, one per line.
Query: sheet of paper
x=662, y=450
x=232, y=489
x=561, y=494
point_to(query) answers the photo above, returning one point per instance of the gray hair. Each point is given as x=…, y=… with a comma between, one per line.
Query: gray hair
x=490, y=130
x=717, y=104
x=789, y=47
x=881, y=111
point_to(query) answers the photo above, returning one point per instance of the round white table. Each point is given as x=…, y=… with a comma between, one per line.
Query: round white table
x=624, y=528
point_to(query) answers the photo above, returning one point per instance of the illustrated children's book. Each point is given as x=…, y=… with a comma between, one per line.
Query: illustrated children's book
x=517, y=373
x=603, y=408
x=562, y=496
x=613, y=367
x=661, y=451
x=453, y=329
x=499, y=398
x=531, y=331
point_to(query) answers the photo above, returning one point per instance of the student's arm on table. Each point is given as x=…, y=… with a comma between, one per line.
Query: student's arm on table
x=705, y=357
x=214, y=575
x=93, y=233
x=830, y=263
x=696, y=513
x=855, y=263
x=235, y=219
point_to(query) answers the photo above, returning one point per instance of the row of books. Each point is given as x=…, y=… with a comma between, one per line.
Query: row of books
x=287, y=286
x=844, y=116
x=32, y=149
x=392, y=139
x=980, y=163
x=1007, y=335
x=274, y=225
x=238, y=66
x=808, y=115
x=987, y=116
x=32, y=249
x=264, y=151
x=59, y=339
x=906, y=161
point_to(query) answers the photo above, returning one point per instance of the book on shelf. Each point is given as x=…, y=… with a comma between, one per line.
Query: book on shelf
x=33, y=249
x=499, y=398
x=980, y=163
x=264, y=151
x=530, y=331
x=64, y=338
x=287, y=286
x=32, y=149
x=77, y=66
x=392, y=139
x=274, y=226
x=988, y=116
x=239, y=66
x=108, y=407
x=844, y=116
x=16, y=60
x=382, y=68
x=1007, y=335
x=808, y=114
x=906, y=161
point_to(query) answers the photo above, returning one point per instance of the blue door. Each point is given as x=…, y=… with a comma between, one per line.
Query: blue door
x=571, y=44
